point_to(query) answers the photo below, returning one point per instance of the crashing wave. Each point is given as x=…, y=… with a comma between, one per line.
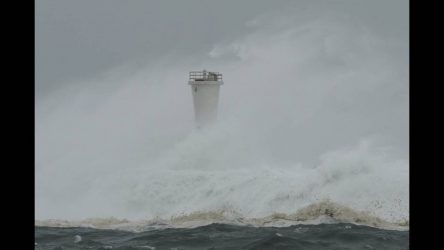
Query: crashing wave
x=318, y=213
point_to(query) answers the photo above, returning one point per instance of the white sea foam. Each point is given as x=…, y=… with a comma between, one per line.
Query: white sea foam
x=319, y=213
x=77, y=238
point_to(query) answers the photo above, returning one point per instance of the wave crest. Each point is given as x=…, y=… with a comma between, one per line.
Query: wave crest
x=317, y=213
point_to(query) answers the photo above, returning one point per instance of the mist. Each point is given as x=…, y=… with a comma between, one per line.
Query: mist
x=314, y=106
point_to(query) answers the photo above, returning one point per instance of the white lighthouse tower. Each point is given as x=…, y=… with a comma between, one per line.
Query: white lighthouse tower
x=205, y=88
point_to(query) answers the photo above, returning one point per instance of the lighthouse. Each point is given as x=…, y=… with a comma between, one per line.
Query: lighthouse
x=205, y=89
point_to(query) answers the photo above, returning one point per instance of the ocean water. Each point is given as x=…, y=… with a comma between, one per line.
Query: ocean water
x=324, y=225
x=224, y=236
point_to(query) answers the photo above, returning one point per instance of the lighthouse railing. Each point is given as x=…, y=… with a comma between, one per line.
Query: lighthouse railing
x=205, y=76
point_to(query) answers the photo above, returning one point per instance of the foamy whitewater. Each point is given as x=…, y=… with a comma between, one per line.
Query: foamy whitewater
x=192, y=187
x=312, y=129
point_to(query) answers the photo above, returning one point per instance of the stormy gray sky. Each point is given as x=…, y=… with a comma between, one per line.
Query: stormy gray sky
x=79, y=39
x=302, y=79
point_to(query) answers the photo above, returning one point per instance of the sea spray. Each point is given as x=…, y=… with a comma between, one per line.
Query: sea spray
x=310, y=111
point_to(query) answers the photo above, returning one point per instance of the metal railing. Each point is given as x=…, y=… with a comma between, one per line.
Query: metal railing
x=205, y=76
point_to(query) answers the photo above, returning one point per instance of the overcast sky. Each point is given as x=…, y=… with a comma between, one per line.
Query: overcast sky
x=79, y=39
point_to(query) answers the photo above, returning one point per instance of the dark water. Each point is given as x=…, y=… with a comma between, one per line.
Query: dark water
x=220, y=236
